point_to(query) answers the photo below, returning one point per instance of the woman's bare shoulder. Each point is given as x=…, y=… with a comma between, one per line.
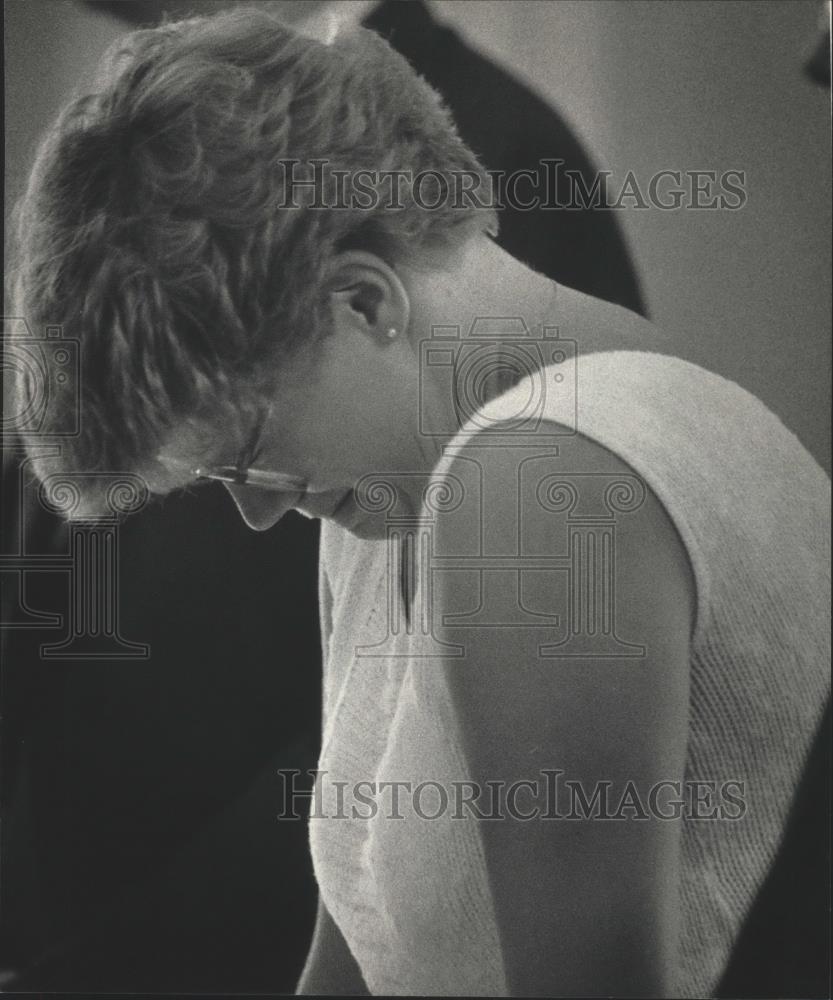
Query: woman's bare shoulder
x=502, y=678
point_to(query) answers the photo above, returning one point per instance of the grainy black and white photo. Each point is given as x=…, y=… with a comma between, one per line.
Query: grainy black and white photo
x=416, y=498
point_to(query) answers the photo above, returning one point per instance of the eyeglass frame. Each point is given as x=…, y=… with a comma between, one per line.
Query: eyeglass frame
x=242, y=473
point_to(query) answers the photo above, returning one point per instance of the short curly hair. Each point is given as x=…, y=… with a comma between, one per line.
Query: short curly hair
x=158, y=228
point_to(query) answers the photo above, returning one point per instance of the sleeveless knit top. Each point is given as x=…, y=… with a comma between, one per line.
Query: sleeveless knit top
x=411, y=897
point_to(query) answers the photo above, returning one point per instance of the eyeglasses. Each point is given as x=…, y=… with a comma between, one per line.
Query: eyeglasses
x=243, y=474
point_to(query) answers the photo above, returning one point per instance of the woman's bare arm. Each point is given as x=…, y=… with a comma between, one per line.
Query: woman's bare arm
x=585, y=907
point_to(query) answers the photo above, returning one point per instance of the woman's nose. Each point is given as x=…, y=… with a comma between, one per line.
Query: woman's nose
x=261, y=509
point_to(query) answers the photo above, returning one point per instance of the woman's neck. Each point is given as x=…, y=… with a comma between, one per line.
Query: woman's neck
x=474, y=330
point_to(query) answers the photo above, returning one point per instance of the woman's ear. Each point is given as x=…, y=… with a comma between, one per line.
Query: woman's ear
x=367, y=295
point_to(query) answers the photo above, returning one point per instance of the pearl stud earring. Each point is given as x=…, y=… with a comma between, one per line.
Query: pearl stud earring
x=392, y=332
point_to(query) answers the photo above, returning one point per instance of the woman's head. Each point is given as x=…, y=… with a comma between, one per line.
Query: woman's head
x=168, y=226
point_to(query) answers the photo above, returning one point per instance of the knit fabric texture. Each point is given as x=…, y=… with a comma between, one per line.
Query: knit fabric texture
x=410, y=895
